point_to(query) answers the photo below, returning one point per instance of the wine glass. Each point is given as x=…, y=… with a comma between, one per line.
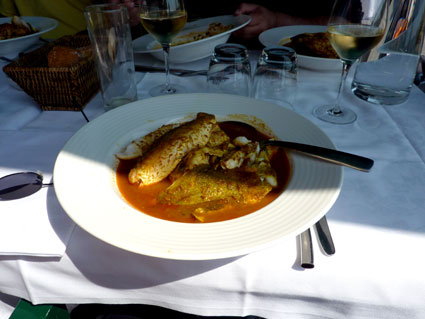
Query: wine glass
x=164, y=19
x=355, y=27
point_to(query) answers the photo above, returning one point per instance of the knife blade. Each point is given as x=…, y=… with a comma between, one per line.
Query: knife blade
x=177, y=72
x=325, y=239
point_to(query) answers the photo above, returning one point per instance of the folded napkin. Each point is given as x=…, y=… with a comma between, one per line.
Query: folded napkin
x=35, y=225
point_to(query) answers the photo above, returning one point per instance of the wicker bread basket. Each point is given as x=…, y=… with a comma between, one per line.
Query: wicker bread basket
x=59, y=88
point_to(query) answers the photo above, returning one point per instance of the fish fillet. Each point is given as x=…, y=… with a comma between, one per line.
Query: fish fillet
x=139, y=147
x=204, y=184
x=170, y=148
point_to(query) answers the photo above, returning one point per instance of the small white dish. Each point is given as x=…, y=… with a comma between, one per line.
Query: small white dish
x=16, y=45
x=195, y=50
x=85, y=181
x=275, y=36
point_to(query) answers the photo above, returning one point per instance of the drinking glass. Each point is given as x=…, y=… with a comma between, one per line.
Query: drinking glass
x=229, y=70
x=275, y=77
x=108, y=27
x=386, y=75
x=164, y=19
x=355, y=27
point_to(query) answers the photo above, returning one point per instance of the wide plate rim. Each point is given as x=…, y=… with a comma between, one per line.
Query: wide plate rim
x=126, y=228
x=31, y=19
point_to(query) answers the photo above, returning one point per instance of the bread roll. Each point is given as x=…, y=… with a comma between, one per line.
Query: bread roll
x=60, y=56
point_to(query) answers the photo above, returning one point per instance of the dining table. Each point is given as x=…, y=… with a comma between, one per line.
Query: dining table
x=377, y=222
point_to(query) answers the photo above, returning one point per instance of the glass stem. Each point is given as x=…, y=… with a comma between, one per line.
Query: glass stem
x=336, y=110
x=166, y=48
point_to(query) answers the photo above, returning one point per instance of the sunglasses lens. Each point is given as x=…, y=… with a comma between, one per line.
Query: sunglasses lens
x=19, y=185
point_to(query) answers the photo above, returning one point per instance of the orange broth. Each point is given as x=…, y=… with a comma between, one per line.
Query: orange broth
x=144, y=198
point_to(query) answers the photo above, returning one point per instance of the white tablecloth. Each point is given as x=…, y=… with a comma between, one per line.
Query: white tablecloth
x=378, y=224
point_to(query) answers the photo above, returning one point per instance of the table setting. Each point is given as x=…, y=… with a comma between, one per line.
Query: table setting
x=336, y=242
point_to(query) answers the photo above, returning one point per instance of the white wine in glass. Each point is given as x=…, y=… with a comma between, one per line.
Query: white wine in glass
x=164, y=19
x=355, y=27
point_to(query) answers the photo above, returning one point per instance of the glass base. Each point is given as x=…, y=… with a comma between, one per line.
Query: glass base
x=325, y=113
x=165, y=90
x=118, y=101
x=380, y=95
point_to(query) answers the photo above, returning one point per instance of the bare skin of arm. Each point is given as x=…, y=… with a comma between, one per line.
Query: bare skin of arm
x=263, y=19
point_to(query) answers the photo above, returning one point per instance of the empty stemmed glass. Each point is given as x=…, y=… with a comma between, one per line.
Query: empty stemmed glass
x=164, y=19
x=355, y=27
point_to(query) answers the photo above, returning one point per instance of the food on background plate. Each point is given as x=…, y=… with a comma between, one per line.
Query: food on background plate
x=63, y=56
x=311, y=44
x=17, y=28
x=213, y=29
x=201, y=171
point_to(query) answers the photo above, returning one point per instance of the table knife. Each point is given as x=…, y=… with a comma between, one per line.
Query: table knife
x=306, y=249
x=325, y=238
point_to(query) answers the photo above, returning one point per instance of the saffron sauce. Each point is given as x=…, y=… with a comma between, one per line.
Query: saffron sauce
x=144, y=198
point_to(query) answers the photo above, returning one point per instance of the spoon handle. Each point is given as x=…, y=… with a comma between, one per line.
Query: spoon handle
x=350, y=160
x=306, y=249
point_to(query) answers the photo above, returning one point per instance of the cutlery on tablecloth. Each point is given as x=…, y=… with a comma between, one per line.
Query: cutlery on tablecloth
x=325, y=239
x=306, y=249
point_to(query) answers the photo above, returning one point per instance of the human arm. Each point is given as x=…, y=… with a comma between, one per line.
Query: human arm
x=263, y=19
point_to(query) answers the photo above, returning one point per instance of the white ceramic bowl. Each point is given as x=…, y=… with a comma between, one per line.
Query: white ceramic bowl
x=275, y=36
x=16, y=45
x=90, y=196
x=196, y=50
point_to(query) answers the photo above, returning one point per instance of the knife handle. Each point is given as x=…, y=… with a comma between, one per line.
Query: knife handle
x=325, y=238
x=306, y=249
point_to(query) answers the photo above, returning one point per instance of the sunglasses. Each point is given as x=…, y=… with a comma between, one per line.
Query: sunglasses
x=20, y=185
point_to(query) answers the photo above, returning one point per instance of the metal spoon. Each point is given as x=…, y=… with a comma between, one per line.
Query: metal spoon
x=306, y=249
x=337, y=157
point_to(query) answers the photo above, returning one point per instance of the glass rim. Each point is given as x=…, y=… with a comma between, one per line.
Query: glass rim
x=100, y=8
x=235, y=52
x=279, y=55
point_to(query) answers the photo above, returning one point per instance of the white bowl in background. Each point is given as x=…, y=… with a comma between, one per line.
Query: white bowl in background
x=19, y=44
x=195, y=50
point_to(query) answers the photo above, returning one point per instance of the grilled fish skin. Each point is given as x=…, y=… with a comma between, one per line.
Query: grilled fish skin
x=205, y=184
x=170, y=148
x=139, y=147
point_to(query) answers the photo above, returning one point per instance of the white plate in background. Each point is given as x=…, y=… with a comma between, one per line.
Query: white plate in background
x=196, y=50
x=16, y=45
x=275, y=36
